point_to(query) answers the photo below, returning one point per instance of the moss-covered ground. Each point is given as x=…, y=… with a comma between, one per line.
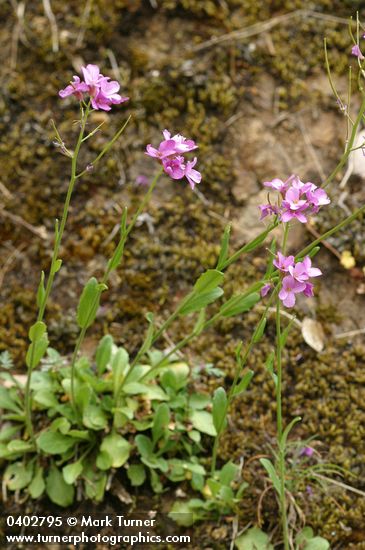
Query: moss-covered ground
x=260, y=107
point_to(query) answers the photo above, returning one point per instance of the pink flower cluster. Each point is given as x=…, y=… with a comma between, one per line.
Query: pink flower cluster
x=356, y=51
x=170, y=153
x=103, y=92
x=296, y=199
x=296, y=279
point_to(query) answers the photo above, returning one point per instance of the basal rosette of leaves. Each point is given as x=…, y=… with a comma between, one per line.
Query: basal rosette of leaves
x=154, y=429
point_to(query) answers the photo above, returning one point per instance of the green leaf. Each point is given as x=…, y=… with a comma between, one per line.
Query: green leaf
x=71, y=472
x=80, y=434
x=203, y=421
x=7, y=432
x=181, y=514
x=270, y=267
x=57, y=265
x=94, y=417
x=136, y=474
x=123, y=221
x=199, y=301
x=267, y=464
x=307, y=541
x=239, y=304
x=244, y=382
x=149, y=336
x=20, y=446
x=37, y=485
x=45, y=399
x=41, y=292
x=83, y=394
x=103, y=353
x=200, y=322
x=18, y=475
x=57, y=489
x=119, y=364
x=175, y=377
x=228, y=473
x=6, y=401
x=284, y=335
x=54, y=443
x=256, y=242
x=144, y=445
x=155, y=393
x=208, y=281
x=161, y=421
x=156, y=484
x=114, y=452
x=259, y=332
x=220, y=404
x=89, y=302
x=36, y=331
x=61, y=424
x=253, y=539
x=287, y=430
x=314, y=251
x=135, y=388
x=269, y=366
x=37, y=349
x=224, y=247
x=199, y=401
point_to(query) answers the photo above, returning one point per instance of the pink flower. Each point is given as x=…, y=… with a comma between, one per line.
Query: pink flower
x=265, y=289
x=299, y=199
x=293, y=200
x=288, y=215
x=107, y=95
x=293, y=206
x=298, y=279
x=301, y=186
x=302, y=271
x=92, y=77
x=317, y=197
x=357, y=52
x=193, y=176
x=307, y=451
x=171, y=146
x=267, y=210
x=102, y=91
x=174, y=167
x=142, y=180
x=182, y=145
x=277, y=184
x=309, y=290
x=289, y=288
x=76, y=88
x=170, y=153
x=284, y=263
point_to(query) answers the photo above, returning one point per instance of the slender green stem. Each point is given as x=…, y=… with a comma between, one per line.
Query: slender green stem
x=279, y=418
x=250, y=245
x=331, y=231
x=53, y=269
x=107, y=146
x=76, y=350
x=350, y=144
x=110, y=267
x=279, y=412
x=240, y=366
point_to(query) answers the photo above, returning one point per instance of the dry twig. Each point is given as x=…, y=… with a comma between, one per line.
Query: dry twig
x=265, y=26
x=52, y=20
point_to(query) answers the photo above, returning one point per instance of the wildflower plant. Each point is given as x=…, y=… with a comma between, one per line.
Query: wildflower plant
x=76, y=421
